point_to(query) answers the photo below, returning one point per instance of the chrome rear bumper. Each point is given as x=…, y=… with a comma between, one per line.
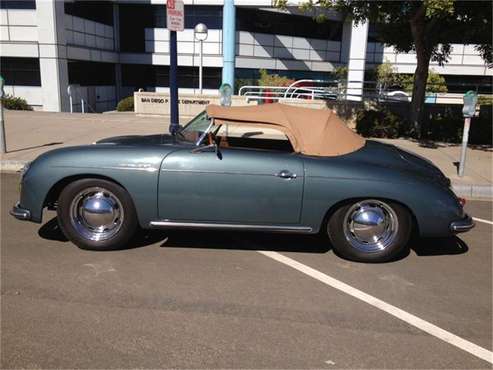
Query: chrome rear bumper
x=20, y=213
x=463, y=225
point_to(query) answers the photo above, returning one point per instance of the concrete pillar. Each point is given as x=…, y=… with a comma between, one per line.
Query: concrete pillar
x=229, y=42
x=50, y=16
x=356, y=60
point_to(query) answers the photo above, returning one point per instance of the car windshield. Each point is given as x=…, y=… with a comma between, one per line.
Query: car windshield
x=194, y=129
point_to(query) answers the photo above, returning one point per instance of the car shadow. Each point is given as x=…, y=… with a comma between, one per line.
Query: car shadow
x=51, y=231
x=439, y=246
x=229, y=240
x=208, y=239
x=246, y=241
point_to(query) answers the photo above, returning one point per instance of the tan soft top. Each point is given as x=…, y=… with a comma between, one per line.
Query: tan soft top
x=311, y=131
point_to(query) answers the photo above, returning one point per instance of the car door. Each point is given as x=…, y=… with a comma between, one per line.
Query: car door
x=237, y=186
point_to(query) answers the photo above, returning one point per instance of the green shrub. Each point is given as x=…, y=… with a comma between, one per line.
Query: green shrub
x=446, y=128
x=485, y=100
x=381, y=124
x=15, y=103
x=126, y=104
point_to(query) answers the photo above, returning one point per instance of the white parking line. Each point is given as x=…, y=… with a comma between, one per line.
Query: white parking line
x=411, y=319
x=481, y=220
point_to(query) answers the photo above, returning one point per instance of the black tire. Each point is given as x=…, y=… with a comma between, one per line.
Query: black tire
x=124, y=224
x=347, y=244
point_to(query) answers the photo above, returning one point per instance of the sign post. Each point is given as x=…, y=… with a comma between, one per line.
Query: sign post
x=469, y=109
x=175, y=15
x=3, y=145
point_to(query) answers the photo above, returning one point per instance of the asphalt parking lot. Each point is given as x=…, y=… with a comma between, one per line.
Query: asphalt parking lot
x=211, y=300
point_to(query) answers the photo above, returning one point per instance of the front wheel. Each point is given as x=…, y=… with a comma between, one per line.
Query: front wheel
x=96, y=214
x=370, y=230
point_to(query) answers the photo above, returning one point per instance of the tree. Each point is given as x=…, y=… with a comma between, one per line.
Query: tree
x=267, y=79
x=427, y=27
x=387, y=76
x=434, y=83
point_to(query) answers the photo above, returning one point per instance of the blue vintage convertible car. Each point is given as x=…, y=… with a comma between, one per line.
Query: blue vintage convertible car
x=274, y=168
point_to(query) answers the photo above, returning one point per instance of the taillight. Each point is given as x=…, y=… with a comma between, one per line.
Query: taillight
x=462, y=201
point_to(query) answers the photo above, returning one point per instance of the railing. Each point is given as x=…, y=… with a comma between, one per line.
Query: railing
x=345, y=90
x=301, y=89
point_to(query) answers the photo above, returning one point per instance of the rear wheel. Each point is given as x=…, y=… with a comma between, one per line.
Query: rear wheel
x=370, y=230
x=96, y=214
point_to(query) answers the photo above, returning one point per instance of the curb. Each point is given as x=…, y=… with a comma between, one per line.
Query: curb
x=11, y=165
x=473, y=191
x=470, y=191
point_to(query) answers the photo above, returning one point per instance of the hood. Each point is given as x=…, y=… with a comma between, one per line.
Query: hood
x=388, y=155
x=138, y=140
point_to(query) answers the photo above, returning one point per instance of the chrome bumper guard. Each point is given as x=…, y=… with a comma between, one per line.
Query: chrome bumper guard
x=463, y=225
x=20, y=213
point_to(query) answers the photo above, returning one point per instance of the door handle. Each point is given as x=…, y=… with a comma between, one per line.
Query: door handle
x=285, y=174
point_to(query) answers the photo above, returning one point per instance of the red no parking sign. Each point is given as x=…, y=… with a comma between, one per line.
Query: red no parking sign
x=175, y=15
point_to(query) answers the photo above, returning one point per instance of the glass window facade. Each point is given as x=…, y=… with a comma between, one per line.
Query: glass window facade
x=263, y=21
x=97, y=11
x=134, y=18
x=18, y=4
x=143, y=75
x=20, y=71
x=91, y=73
x=211, y=16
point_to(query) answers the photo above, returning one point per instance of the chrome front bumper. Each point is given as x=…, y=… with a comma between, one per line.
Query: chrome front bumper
x=463, y=225
x=20, y=213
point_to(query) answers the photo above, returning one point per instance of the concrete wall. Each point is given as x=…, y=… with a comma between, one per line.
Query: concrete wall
x=188, y=105
x=32, y=94
x=463, y=60
x=191, y=105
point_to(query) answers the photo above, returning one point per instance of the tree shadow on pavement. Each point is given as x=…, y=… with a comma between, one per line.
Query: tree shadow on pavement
x=34, y=147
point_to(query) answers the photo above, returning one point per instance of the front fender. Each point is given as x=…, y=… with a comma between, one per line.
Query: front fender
x=134, y=168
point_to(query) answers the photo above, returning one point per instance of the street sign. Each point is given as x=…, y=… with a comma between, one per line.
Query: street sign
x=175, y=15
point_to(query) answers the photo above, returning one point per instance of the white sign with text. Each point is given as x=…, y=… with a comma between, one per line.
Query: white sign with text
x=175, y=15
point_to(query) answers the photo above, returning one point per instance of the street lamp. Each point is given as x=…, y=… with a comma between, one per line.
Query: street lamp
x=200, y=33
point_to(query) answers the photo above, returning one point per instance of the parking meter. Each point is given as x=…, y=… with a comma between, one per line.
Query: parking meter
x=468, y=111
x=470, y=101
x=3, y=145
x=226, y=91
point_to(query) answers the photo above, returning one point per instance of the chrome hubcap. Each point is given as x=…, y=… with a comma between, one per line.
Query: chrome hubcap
x=370, y=226
x=96, y=214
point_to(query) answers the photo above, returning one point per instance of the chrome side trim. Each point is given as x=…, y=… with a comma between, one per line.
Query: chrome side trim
x=463, y=225
x=206, y=225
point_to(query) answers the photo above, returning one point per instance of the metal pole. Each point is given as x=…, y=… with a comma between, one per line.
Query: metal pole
x=173, y=85
x=200, y=66
x=229, y=42
x=71, y=104
x=3, y=144
x=465, y=139
x=83, y=108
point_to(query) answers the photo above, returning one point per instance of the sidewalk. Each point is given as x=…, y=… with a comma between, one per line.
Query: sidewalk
x=31, y=133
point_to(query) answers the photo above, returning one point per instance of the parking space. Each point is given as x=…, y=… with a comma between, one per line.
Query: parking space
x=210, y=299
